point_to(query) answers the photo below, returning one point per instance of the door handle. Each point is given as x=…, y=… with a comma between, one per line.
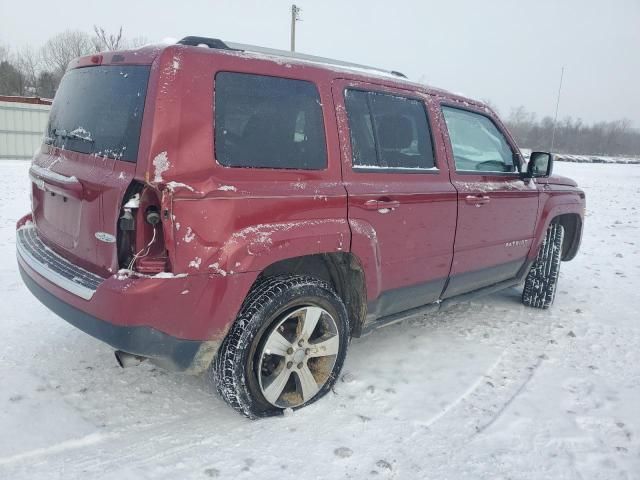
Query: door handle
x=477, y=200
x=382, y=206
x=390, y=204
x=371, y=205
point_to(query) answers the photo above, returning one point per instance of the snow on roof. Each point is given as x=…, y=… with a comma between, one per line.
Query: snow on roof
x=30, y=100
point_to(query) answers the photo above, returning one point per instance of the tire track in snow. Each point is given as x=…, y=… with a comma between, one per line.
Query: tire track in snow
x=490, y=396
x=61, y=447
x=479, y=407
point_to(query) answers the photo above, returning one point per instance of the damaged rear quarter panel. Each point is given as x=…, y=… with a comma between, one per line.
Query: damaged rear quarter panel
x=228, y=224
x=226, y=220
x=236, y=233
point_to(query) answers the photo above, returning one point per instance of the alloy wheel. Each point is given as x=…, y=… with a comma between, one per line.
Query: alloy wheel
x=298, y=356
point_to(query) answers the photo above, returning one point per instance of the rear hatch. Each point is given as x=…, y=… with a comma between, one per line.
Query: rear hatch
x=88, y=161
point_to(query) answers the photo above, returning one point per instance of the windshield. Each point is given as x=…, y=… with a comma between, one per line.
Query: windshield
x=99, y=110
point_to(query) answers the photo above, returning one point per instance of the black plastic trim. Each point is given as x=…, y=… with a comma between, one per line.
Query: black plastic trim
x=402, y=299
x=194, y=41
x=489, y=173
x=411, y=171
x=142, y=341
x=470, y=281
x=374, y=322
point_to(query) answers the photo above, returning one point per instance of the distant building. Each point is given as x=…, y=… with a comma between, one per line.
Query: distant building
x=22, y=124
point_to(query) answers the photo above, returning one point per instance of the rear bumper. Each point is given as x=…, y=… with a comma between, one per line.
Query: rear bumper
x=177, y=321
x=174, y=353
x=52, y=266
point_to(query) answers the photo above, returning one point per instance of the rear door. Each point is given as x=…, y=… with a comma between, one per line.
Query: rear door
x=401, y=204
x=87, y=162
x=497, y=210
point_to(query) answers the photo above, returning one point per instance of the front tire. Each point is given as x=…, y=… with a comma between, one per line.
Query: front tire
x=285, y=349
x=540, y=284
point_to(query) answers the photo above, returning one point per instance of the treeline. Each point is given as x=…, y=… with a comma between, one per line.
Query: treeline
x=573, y=136
x=38, y=71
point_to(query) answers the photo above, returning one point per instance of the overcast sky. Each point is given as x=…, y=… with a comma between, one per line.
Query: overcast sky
x=509, y=52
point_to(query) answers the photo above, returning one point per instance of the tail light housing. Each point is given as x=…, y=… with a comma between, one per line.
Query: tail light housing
x=141, y=242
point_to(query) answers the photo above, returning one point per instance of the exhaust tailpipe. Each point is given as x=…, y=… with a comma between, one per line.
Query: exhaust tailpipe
x=125, y=359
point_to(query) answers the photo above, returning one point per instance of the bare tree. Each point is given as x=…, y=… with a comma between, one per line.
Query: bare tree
x=47, y=85
x=27, y=61
x=491, y=104
x=64, y=47
x=12, y=82
x=39, y=71
x=573, y=136
x=4, y=53
x=103, y=41
x=137, y=42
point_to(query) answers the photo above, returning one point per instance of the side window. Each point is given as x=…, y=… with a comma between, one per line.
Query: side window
x=477, y=143
x=268, y=122
x=388, y=131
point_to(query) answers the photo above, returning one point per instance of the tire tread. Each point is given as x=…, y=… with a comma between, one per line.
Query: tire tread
x=540, y=284
x=227, y=367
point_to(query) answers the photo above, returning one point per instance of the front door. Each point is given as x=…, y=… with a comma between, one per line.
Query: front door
x=497, y=210
x=401, y=203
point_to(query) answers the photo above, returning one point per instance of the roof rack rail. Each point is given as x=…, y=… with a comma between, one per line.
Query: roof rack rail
x=219, y=44
x=209, y=42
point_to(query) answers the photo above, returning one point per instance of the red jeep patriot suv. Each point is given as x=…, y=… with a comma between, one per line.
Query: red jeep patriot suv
x=246, y=212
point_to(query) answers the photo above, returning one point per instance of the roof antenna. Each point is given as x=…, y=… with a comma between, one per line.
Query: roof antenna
x=555, y=120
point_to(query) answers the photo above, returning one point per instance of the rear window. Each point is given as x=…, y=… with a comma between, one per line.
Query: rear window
x=268, y=122
x=99, y=110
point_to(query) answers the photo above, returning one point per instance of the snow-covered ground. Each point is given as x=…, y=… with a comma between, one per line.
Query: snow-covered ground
x=489, y=389
x=565, y=157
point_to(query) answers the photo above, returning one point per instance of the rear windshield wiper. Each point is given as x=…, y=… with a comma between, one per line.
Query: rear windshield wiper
x=77, y=134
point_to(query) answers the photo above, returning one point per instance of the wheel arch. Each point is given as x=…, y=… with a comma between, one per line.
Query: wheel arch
x=565, y=210
x=342, y=270
x=572, y=224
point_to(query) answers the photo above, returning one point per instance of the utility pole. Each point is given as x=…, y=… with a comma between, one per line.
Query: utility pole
x=555, y=119
x=295, y=17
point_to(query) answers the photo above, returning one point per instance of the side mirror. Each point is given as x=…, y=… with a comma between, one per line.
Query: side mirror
x=540, y=165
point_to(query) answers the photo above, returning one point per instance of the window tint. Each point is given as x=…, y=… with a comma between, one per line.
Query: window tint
x=99, y=110
x=477, y=143
x=268, y=122
x=388, y=131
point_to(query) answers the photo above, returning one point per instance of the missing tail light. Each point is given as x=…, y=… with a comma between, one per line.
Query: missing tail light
x=152, y=215
x=141, y=245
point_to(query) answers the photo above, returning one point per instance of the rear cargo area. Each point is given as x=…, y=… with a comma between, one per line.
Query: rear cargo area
x=87, y=163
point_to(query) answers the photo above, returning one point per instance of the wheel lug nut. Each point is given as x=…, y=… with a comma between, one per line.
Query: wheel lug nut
x=300, y=365
x=289, y=350
x=300, y=343
x=307, y=351
x=289, y=364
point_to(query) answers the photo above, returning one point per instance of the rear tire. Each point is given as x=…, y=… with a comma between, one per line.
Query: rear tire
x=285, y=349
x=540, y=284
